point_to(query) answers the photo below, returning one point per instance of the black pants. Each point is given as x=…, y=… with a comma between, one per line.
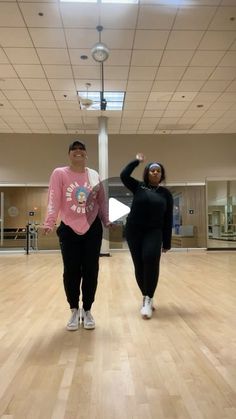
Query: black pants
x=145, y=247
x=80, y=254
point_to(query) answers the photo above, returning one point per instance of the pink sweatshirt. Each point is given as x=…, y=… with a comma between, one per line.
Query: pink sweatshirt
x=77, y=197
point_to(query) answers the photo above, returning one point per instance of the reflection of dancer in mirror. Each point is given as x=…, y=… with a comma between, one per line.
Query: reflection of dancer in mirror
x=75, y=192
x=148, y=227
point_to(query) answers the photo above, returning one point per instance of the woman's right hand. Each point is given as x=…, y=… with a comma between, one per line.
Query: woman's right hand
x=140, y=157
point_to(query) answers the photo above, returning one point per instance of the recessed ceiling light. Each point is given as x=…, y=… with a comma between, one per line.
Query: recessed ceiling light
x=183, y=96
x=200, y=106
x=232, y=18
x=40, y=14
x=1, y=104
x=84, y=57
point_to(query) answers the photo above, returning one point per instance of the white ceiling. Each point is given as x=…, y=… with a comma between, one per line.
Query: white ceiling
x=175, y=59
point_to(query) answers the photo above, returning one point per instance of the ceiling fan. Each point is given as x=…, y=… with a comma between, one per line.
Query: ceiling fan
x=85, y=102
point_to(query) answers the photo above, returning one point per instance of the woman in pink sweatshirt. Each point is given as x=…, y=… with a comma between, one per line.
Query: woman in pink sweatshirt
x=77, y=195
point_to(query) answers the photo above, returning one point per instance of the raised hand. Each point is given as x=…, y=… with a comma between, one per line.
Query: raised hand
x=140, y=157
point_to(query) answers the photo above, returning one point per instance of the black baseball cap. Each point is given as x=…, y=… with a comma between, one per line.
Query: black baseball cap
x=77, y=144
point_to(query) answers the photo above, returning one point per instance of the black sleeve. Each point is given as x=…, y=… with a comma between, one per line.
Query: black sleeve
x=168, y=221
x=130, y=183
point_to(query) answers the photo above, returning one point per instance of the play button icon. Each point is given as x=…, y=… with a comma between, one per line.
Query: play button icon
x=117, y=209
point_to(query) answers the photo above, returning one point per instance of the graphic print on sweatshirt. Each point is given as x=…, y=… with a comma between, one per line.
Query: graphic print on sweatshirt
x=81, y=198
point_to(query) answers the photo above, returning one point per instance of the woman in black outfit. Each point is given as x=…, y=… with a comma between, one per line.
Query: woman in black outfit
x=148, y=227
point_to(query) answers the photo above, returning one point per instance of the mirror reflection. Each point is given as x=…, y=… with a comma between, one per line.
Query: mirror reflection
x=221, y=198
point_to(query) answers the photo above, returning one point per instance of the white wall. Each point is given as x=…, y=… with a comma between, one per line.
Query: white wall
x=26, y=158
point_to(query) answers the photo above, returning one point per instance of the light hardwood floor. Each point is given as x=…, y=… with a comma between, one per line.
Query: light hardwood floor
x=180, y=364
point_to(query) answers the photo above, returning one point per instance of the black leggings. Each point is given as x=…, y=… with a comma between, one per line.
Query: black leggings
x=145, y=247
x=80, y=254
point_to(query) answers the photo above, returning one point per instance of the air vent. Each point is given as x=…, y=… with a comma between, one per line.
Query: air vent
x=175, y=127
x=80, y=127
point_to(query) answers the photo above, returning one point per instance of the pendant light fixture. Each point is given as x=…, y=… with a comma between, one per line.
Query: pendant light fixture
x=100, y=53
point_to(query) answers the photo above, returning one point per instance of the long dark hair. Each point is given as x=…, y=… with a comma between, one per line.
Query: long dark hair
x=146, y=172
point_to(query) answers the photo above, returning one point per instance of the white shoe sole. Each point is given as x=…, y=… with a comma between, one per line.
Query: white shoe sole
x=87, y=327
x=71, y=328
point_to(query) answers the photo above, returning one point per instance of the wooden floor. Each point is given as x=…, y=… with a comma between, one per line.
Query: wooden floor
x=180, y=364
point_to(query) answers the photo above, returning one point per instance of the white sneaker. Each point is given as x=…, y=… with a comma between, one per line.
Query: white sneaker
x=73, y=323
x=88, y=320
x=146, y=310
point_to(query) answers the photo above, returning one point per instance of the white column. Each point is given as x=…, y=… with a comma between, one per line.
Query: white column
x=103, y=171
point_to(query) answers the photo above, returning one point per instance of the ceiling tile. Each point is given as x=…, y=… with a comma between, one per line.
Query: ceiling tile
x=172, y=58
x=119, y=57
x=153, y=113
x=165, y=85
x=58, y=71
x=11, y=84
x=17, y=94
x=87, y=72
x=79, y=15
x=45, y=104
x=224, y=73
x=206, y=58
x=136, y=96
x=170, y=73
x=194, y=18
x=184, y=96
x=190, y=86
x=76, y=53
x=15, y=37
x=160, y=96
x=173, y=113
x=231, y=87
x=22, y=55
x=23, y=104
x=217, y=40
x=81, y=38
x=25, y=113
x=229, y=59
x=65, y=95
x=48, y=37
x=35, y=84
x=122, y=16
x=117, y=73
x=198, y=73
x=53, y=56
x=184, y=40
x=215, y=86
x=221, y=19
x=142, y=73
x=156, y=106
x=118, y=39
x=41, y=95
x=10, y=15
x=61, y=84
x=27, y=70
x=145, y=57
x=134, y=105
x=156, y=17
x=150, y=39
x=50, y=18
x=7, y=71
x=3, y=57
x=138, y=86
x=203, y=97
